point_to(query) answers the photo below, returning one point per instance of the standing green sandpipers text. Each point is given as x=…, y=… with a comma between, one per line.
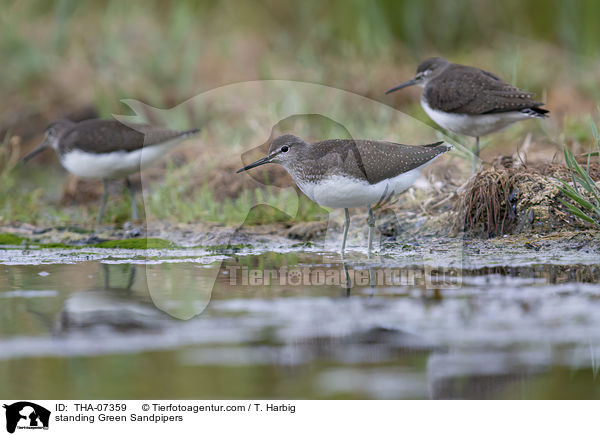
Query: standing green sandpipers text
x=470, y=101
x=109, y=149
x=343, y=173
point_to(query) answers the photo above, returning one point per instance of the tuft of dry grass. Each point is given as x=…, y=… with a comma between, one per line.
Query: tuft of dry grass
x=508, y=198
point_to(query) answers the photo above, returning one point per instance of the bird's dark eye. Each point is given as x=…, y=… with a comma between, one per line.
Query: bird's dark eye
x=285, y=149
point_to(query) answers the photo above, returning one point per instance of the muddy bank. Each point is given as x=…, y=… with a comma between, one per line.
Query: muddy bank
x=320, y=236
x=148, y=234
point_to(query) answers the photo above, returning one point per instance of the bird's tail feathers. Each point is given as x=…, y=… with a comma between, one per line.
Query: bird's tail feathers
x=535, y=112
x=190, y=132
x=441, y=144
x=433, y=144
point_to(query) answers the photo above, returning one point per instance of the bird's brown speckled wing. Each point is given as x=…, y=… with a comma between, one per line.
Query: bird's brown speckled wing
x=467, y=90
x=105, y=136
x=372, y=161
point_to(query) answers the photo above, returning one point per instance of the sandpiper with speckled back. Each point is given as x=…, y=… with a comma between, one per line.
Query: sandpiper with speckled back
x=108, y=149
x=344, y=173
x=470, y=101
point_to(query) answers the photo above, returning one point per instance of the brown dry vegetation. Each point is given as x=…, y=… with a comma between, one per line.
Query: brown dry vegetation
x=516, y=199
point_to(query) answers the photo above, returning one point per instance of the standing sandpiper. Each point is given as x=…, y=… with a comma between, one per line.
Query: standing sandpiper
x=470, y=101
x=343, y=173
x=108, y=149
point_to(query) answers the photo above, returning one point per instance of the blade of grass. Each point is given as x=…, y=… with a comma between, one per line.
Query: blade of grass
x=579, y=213
x=573, y=195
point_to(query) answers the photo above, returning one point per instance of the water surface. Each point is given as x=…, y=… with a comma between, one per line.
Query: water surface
x=410, y=323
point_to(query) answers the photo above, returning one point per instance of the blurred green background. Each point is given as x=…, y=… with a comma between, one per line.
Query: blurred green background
x=79, y=58
x=58, y=54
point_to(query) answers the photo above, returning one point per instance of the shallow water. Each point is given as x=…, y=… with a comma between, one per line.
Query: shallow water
x=436, y=320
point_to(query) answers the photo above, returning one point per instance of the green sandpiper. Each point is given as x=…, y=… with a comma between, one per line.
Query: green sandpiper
x=108, y=149
x=344, y=173
x=470, y=101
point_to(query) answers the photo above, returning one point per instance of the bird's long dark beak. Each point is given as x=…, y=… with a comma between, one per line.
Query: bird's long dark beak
x=411, y=82
x=37, y=150
x=258, y=163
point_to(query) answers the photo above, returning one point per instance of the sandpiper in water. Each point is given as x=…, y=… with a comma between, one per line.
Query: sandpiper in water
x=344, y=173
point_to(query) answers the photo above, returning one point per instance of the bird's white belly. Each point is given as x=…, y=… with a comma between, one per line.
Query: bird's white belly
x=113, y=165
x=340, y=191
x=472, y=125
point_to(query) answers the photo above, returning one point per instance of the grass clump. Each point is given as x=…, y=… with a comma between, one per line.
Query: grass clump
x=488, y=200
x=584, y=192
x=523, y=198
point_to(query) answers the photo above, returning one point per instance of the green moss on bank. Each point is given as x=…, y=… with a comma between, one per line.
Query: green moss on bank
x=9, y=239
x=136, y=244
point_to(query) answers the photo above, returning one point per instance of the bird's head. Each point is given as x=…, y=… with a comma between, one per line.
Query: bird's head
x=283, y=149
x=52, y=134
x=426, y=70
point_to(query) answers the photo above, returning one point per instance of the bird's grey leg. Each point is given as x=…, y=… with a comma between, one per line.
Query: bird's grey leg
x=476, y=153
x=134, y=211
x=347, y=283
x=346, y=227
x=106, y=276
x=371, y=222
x=104, y=199
x=131, y=277
x=372, y=279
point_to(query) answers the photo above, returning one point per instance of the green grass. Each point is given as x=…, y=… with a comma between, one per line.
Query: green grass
x=16, y=203
x=583, y=191
x=173, y=200
x=261, y=206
